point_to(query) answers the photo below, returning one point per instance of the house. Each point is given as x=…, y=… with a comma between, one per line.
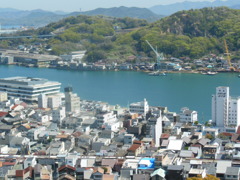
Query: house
x=71, y=159
x=97, y=173
x=175, y=172
x=175, y=144
x=222, y=168
x=67, y=170
x=197, y=173
x=212, y=131
x=30, y=161
x=42, y=172
x=186, y=154
x=146, y=165
x=128, y=138
x=24, y=174
x=211, y=151
x=158, y=174
x=135, y=150
x=188, y=116
x=232, y=173
x=19, y=142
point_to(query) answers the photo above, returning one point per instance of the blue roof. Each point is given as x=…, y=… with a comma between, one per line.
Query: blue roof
x=146, y=163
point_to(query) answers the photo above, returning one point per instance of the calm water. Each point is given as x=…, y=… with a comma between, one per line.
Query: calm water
x=174, y=90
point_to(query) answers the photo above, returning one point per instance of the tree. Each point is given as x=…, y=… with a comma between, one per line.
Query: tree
x=208, y=177
x=209, y=136
x=196, y=122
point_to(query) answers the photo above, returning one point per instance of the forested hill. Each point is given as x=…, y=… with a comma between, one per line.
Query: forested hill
x=121, y=12
x=192, y=33
x=210, y=22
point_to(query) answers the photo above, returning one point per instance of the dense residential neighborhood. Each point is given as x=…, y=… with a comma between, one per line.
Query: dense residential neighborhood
x=59, y=136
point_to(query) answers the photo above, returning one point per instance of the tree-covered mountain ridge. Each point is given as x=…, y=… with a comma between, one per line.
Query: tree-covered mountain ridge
x=192, y=33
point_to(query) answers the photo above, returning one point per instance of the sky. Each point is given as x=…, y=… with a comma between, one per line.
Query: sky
x=83, y=5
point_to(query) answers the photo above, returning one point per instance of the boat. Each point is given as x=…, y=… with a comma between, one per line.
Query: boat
x=154, y=73
x=204, y=73
x=163, y=74
x=239, y=75
x=211, y=73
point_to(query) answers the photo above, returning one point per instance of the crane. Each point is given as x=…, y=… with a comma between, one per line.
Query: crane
x=160, y=56
x=228, y=56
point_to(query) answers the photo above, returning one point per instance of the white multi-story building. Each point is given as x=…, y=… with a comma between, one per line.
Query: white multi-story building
x=72, y=101
x=139, y=107
x=58, y=115
x=52, y=101
x=27, y=88
x=3, y=96
x=42, y=101
x=225, y=109
x=106, y=118
x=188, y=116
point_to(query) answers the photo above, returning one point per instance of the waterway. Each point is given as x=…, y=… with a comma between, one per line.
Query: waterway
x=174, y=90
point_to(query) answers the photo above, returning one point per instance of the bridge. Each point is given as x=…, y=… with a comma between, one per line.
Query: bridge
x=29, y=37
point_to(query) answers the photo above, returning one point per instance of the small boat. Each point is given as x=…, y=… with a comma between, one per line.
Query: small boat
x=154, y=73
x=239, y=75
x=204, y=73
x=211, y=73
x=163, y=74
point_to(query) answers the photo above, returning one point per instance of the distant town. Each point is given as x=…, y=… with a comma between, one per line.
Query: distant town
x=29, y=56
x=48, y=134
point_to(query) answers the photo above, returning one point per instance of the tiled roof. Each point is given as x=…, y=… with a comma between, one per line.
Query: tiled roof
x=3, y=114
x=134, y=147
x=66, y=166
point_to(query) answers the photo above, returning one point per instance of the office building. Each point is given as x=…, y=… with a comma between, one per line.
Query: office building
x=27, y=88
x=225, y=109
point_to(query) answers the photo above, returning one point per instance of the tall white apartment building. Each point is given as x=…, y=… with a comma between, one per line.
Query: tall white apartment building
x=225, y=109
x=139, y=107
x=72, y=101
x=27, y=88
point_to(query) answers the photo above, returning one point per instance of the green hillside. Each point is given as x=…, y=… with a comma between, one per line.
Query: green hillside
x=192, y=33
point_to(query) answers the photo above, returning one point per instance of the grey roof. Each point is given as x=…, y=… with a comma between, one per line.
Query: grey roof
x=187, y=140
x=204, y=141
x=232, y=171
x=4, y=170
x=141, y=176
x=187, y=166
x=210, y=168
x=186, y=153
x=17, y=140
x=175, y=167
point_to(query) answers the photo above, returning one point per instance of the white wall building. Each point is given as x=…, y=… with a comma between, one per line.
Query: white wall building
x=154, y=129
x=225, y=109
x=27, y=88
x=105, y=118
x=188, y=116
x=139, y=107
x=58, y=115
x=72, y=101
x=76, y=55
x=54, y=101
x=42, y=101
x=3, y=96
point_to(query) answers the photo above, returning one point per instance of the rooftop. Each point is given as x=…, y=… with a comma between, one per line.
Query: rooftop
x=26, y=81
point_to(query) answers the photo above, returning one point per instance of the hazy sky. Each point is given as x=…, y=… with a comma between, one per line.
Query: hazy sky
x=84, y=5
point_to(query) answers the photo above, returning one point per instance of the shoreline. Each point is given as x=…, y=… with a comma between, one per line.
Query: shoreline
x=116, y=70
